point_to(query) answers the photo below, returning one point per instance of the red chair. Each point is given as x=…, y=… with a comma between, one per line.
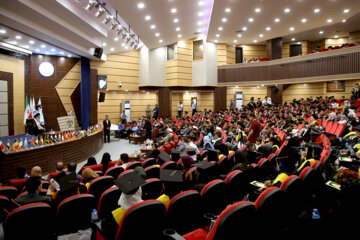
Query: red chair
x=54, y=174
x=214, y=196
x=97, y=167
x=223, y=164
x=148, y=162
x=333, y=128
x=9, y=191
x=167, y=148
x=43, y=192
x=114, y=171
x=108, y=202
x=74, y=213
x=111, y=164
x=23, y=222
x=152, y=189
x=237, y=183
x=133, y=165
x=99, y=185
x=4, y=204
x=190, y=178
x=319, y=121
x=339, y=131
x=152, y=172
x=18, y=183
x=329, y=126
x=184, y=212
x=173, y=144
x=169, y=165
x=125, y=172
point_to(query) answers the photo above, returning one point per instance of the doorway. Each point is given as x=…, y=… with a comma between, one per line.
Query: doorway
x=295, y=50
x=238, y=55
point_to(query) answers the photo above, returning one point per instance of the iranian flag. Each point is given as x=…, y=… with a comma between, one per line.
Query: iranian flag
x=27, y=113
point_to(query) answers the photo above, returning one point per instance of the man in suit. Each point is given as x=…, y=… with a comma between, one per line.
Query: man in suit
x=356, y=91
x=33, y=187
x=106, y=124
x=218, y=139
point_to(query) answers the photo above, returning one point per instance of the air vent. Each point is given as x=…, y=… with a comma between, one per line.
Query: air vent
x=196, y=33
x=4, y=37
x=239, y=31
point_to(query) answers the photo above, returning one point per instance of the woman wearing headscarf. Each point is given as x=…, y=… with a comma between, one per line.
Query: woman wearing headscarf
x=187, y=161
x=207, y=143
x=343, y=119
x=106, y=158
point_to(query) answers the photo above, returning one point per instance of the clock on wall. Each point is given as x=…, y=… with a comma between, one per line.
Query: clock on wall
x=46, y=69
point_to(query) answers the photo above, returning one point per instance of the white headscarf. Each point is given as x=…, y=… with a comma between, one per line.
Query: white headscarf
x=127, y=200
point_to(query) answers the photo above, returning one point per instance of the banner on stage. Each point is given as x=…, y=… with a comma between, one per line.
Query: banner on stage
x=66, y=123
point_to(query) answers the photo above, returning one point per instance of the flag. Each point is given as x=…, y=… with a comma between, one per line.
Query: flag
x=71, y=136
x=46, y=139
x=16, y=145
x=8, y=146
x=64, y=136
x=41, y=141
x=56, y=139
x=2, y=147
x=28, y=112
x=26, y=144
x=41, y=111
x=21, y=144
x=33, y=142
x=36, y=142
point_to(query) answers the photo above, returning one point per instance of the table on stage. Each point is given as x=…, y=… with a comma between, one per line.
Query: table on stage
x=135, y=138
x=145, y=150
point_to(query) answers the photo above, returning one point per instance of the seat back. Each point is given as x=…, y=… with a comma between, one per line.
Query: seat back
x=9, y=191
x=214, y=196
x=125, y=172
x=133, y=165
x=114, y=171
x=239, y=215
x=144, y=219
x=152, y=189
x=237, y=184
x=171, y=165
x=148, y=162
x=18, y=183
x=333, y=128
x=74, y=213
x=108, y=202
x=184, y=212
x=190, y=178
x=152, y=172
x=99, y=185
x=4, y=204
x=96, y=167
x=340, y=129
x=328, y=126
x=24, y=222
x=223, y=163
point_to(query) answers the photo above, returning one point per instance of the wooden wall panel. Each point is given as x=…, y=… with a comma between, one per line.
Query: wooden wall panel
x=254, y=51
x=354, y=37
x=248, y=92
x=220, y=98
x=335, y=42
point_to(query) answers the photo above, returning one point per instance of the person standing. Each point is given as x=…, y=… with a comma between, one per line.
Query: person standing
x=156, y=112
x=148, y=111
x=193, y=107
x=123, y=117
x=180, y=107
x=147, y=127
x=356, y=91
x=254, y=129
x=232, y=105
x=106, y=124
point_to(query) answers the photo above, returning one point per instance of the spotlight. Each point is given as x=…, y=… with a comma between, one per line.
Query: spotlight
x=128, y=40
x=114, y=25
x=107, y=18
x=100, y=12
x=135, y=46
x=123, y=35
x=90, y=6
x=132, y=43
x=119, y=30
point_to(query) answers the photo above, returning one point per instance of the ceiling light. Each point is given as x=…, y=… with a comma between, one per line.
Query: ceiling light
x=304, y=20
x=2, y=31
x=257, y=10
x=16, y=48
x=13, y=42
x=27, y=46
x=119, y=30
x=336, y=36
x=287, y=10
x=100, y=12
x=157, y=34
x=268, y=28
x=293, y=39
x=200, y=14
x=255, y=41
x=176, y=20
x=291, y=28
x=53, y=50
x=298, y=42
x=198, y=30
x=32, y=42
x=277, y=19
x=224, y=20
x=220, y=28
x=344, y=20
x=235, y=41
x=244, y=28
x=116, y=39
x=321, y=32
x=227, y=10
x=112, y=49
x=179, y=36
x=123, y=44
x=160, y=41
x=201, y=3
x=346, y=10
x=104, y=44
x=18, y=37
x=217, y=35
x=153, y=26
x=69, y=55
x=239, y=35
x=148, y=17
x=261, y=35
x=199, y=23
x=316, y=10
x=262, y=85
x=114, y=25
x=37, y=50
x=173, y=10
x=107, y=18
x=177, y=29
x=43, y=46
x=141, y=5
x=250, y=19
x=126, y=47
x=62, y=53
x=91, y=4
x=216, y=41
x=329, y=20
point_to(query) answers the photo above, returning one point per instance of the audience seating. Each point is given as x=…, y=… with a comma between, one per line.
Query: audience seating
x=9, y=191
x=31, y=221
x=171, y=165
x=125, y=172
x=4, y=204
x=114, y=171
x=190, y=178
x=152, y=172
x=214, y=196
x=18, y=183
x=237, y=184
x=152, y=189
x=148, y=162
x=82, y=188
x=108, y=202
x=133, y=165
x=223, y=163
x=74, y=213
x=97, y=167
x=43, y=192
x=100, y=185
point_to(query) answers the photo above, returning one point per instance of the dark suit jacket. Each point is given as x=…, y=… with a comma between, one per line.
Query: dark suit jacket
x=26, y=199
x=106, y=125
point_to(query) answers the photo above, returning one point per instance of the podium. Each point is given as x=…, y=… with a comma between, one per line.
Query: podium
x=66, y=123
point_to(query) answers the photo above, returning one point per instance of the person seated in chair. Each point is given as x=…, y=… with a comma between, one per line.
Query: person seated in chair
x=34, y=125
x=33, y=187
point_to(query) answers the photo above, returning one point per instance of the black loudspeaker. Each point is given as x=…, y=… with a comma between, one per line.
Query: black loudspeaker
x=98, y=52
x=102, y=97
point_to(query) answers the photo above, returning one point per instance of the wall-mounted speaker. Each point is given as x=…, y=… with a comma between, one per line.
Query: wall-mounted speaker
x=98, y=52
x=102, y=97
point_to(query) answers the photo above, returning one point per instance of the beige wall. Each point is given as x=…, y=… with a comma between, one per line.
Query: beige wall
x=335, y=42
x=205, y=99
x=248, y=92
x=286, y=48
x=16, y=67
x=254, y=51
x=354, y=37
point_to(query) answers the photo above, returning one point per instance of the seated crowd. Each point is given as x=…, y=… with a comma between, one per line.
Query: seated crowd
x=265, y=142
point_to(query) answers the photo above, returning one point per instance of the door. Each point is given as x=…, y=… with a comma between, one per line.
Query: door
x=238, y=99
x=239, y=55
x=295, y=50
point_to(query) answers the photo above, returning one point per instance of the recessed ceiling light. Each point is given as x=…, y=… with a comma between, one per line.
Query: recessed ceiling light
x=227, y=10
x=126, y=47
x=316, y=10
x=69, y=55
x=116, y=39
x=53, y=49
x=268, y=28
x=177, y=29
x=344, y=20
x=123, y=44
x=216, y=41
x=255, y=41
x=287, y=10
x=199, y=30
x=179, y=36
x=148, y=17
x=2, y=31
x=141, y=5
x=176, y=20
x=112, y=49
x=153, y=26
x=199, y=23
x=244, y=28
x=257, y=10
x=235, y=41
x=173, y=10
x=37, y=50
x=13, y=42
x=321, y=32
x=160, y=41
x=200, y=14
x=43, y=46
x=157, y=34
x=329, y=20
x=217, y=35
x=336, y=36
x=18, y=37
x=277, y=19
x=298, y=42
x=239, y=35
x=224, y=20
x=293, y=39
x=62, y=53
x=104, y=44
x=201, y=3
x=346, y=10
x=261, y=35
x=250, y=19
x=304, y=20
x=26, y=46
x=32, y=42
x=291, y=28
x=220, y=28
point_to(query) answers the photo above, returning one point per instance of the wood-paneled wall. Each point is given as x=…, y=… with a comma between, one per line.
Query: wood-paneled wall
x=205, y=99
x=335, y=42
x=248, y=92
x=254, y=51
x=286, y=48
x=354, y=37
x=221, y=53
x=179, y=70
x=16, y=67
